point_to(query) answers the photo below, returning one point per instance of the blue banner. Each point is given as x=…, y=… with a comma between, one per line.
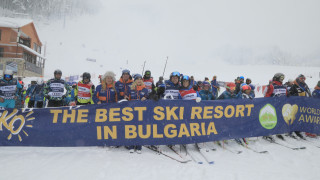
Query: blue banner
x=157, y=123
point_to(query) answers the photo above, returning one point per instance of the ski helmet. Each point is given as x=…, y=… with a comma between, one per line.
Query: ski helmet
x=318, y=84
x=301, y=78
x=248, y=81
x=39, y=81
x=231, y=86
x=185, y=77
x=245, y=87
x=86, y=75
x=8, y=72
x=175, y=73
x=279, y=77
x=57, y=71
x=205, y=83
x=147, y=72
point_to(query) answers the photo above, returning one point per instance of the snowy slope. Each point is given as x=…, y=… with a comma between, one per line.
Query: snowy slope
x=116, y=163
x=128, y=33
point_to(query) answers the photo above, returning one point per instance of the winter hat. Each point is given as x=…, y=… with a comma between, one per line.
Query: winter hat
x=137, y=76
x=205, y=83
x=110, y=74
x=125, y=71
x=318, y=84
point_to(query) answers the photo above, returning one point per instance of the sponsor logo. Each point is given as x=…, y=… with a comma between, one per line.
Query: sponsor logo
x=268, y=116
x=289, y=113
x=16, y=123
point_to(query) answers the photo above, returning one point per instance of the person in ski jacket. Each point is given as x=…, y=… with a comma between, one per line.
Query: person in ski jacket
x=54, y=90
x=186, y=90
x=106, y=92
x=123, y=85
x=138, y=91
x=299, y=87
x=238, y=84
x=316, y=92
x=205, y=92
x=84, y=90
x=249, y=83
x=36, y=95
x=229, y=93
x=159, y=82
x=29, y=92
x=277, y=88
x=245, y=92
x=192, y=81
x=148, y=81
x=215, y=86
x=172, y=87
x=9, y=88
x=289, y=84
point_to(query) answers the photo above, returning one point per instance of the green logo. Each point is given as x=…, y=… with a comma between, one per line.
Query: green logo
x=268, y=116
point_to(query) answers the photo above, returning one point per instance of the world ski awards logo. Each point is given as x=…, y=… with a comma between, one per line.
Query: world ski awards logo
x=16, y=123
x=268, y=117
x=289, y=113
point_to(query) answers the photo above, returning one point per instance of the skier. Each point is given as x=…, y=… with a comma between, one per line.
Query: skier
x=215, y=86
x=206, y=93
x=30, y=99
x=245, y=92
x=106, y=92
x=238, y=84
x=316, y=92
x=148, y=81
x=229, y=93
x=172, y=86
x=186, y=91
x=299, y=87
x=160, y=81
x=138, y=91
x=277, y=88
x=289, y=84
x=37, y=95
x=249, y=82
x=9, y=88
x=192, y=81
x=123, y=85
x=84, y=90
x=54, y=90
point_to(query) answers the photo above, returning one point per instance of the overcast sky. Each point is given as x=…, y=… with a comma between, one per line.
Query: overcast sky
x=191, y=31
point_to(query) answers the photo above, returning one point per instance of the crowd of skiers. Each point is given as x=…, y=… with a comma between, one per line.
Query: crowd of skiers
x=56, y=92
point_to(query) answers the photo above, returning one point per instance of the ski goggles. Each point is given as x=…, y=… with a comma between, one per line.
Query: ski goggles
x=147, y=73
x=302, y=78
x=185, y=78
x=7, y=76
x=175, y=74
x=281, y=78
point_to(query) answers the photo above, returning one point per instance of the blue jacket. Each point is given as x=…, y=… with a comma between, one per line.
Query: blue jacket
x=316, y=93
x=228, y=95
x=139, y=93
x=206, y=95
x=172, y=89
x=110, y=95
x=214, y=86
x=35, y=92
x=123, y=88
x=11, y=93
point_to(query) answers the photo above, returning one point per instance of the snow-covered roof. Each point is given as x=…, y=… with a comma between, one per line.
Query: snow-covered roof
x=13, y=22
x=31, y=50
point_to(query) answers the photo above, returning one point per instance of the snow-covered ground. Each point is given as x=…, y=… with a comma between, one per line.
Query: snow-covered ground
x=112, y=38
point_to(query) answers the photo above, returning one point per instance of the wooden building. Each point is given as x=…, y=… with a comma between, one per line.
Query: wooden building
x=20, y=48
